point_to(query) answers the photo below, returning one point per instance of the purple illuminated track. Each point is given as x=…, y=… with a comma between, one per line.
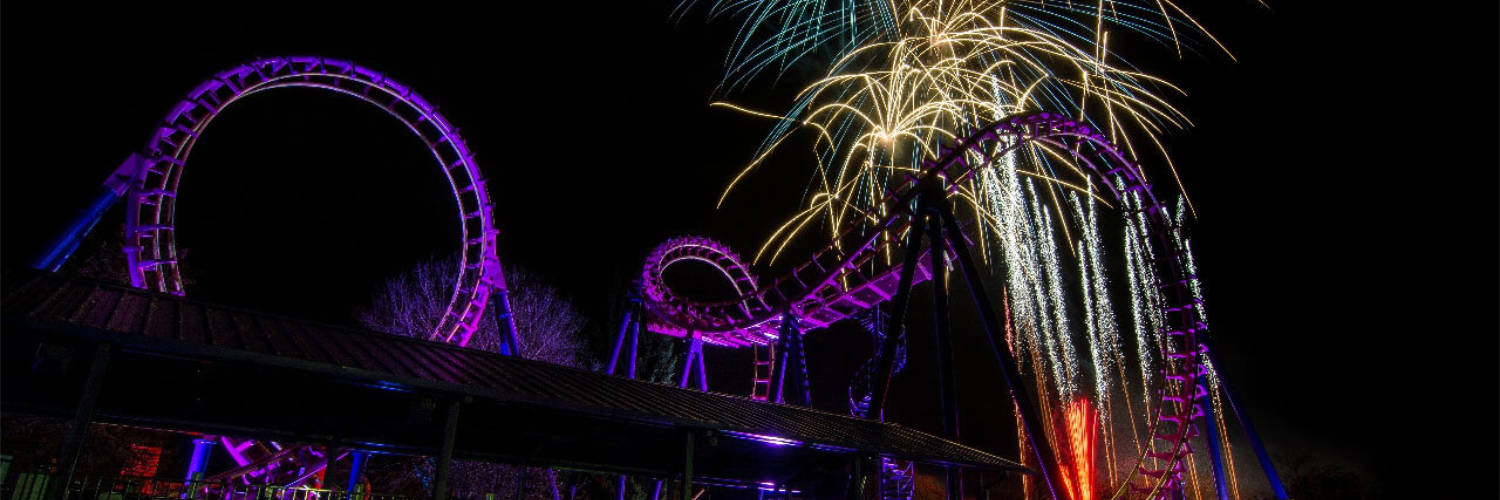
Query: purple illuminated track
x=151, y=203
x=836, y=284
x=150, y=231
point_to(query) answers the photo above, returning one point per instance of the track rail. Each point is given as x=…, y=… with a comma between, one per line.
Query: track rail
x=150, y=232
x=151, y=202
x=853, y=274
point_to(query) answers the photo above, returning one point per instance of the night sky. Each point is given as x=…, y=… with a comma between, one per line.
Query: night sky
x=1343, y=169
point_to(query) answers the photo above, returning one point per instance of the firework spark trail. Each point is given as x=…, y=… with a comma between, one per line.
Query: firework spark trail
x=1141, y=300
x=1098, y=349
x=1104, y=316
x=1185, y=246
x=908, y=76
x=1058, y=355
x=1061, y=325
x=952, y=74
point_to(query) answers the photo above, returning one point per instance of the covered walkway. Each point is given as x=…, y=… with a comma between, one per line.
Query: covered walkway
x=101, y=352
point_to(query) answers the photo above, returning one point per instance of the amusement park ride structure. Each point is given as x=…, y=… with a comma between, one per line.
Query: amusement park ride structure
x=864, y=267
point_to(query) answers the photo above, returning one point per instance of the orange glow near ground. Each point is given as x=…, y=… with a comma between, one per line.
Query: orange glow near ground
x=1077, y=468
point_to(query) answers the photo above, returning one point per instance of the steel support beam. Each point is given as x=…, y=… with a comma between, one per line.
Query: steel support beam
x=72, y=445
x=202, y=447
x=614, y=359
x=885, y=363
x=1030, y=419
x=1266, y=466
x=947, y=380
x=687, y=468
x=445, y=453
x=792, y=367
x=356, y=467
x=505, y=321
x=1216, y=451
x=114, y=189
x=693, y=357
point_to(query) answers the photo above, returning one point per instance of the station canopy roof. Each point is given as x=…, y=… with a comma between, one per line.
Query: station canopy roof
x=184, y=364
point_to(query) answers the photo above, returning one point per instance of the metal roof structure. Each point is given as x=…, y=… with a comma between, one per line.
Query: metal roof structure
x=191, y=365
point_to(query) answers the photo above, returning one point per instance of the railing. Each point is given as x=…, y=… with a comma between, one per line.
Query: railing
x=32, y=485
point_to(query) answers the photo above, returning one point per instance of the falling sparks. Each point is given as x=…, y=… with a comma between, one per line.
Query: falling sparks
x=1080, y=421
x=903, y=78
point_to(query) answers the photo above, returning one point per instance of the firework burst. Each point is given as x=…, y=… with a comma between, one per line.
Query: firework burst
x=907, y=78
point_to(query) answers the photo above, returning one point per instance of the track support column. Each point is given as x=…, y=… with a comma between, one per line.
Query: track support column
x=1030, y=419
x=792, y=367
x=202, y=447
x=1260, y=448
x=114, y=189
x=947, y=381
x=694, y=356
x=1216, y=451
x=885, y=363
x=357, y=466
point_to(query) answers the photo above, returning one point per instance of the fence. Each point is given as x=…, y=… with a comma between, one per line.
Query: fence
x=34, y=485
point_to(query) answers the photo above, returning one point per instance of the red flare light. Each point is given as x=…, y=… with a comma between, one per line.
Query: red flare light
x=1077, y=467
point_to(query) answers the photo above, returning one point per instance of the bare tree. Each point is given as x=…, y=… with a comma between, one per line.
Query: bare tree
x=547, y=326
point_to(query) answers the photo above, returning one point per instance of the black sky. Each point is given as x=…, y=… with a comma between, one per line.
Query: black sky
x=1343, y=168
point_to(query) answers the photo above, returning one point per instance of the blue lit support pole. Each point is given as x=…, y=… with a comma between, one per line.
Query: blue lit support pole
x=793, y=364
x=1216, y=450
x=1260, y=448
x=694, y=356
x=115, y=186
x=355, y=468
x=630, y=332
x=201, y=449
x=505, y=320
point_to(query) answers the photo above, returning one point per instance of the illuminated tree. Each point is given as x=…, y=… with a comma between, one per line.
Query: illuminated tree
x=547, y=327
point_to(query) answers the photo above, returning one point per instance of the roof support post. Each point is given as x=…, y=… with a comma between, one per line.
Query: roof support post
x=856, y=489
x=687, y=468
x=72, y=445
x=445, y=453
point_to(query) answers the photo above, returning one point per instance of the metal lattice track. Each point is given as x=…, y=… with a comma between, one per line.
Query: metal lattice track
x=150, y=231
x=845, y=277
x=765, y=367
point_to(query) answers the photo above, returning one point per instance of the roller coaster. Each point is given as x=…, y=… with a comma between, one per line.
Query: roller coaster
x=866, y=274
